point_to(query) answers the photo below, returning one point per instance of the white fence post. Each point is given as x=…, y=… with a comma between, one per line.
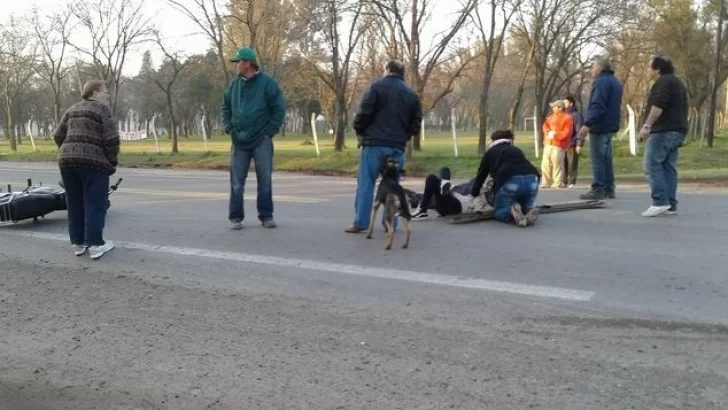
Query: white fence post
x=315, y=134
x=632, y=130
x=454, y=133
x=535, y=132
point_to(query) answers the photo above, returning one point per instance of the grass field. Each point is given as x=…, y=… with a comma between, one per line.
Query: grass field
x=294, y=152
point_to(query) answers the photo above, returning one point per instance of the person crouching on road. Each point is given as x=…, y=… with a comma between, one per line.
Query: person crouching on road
x=88, y=147
x=252, y=112
x=557, y=130
x=515, y=180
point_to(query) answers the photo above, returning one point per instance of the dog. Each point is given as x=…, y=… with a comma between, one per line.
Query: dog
x=392, y=195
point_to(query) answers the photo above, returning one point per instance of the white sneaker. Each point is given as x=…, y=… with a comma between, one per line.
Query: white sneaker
x=79, y=250
x=655, y=211
x=99, y=251
x=236, y=226
x=419, y=214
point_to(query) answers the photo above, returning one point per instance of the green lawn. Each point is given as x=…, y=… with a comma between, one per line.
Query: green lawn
x=296, y=153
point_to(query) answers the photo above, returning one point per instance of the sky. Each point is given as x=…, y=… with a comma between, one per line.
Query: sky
x=180, y=33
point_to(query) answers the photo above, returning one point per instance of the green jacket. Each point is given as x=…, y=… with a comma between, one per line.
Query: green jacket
x=252, y=109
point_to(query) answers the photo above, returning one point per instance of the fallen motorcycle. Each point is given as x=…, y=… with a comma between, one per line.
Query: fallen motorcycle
x=36, y=202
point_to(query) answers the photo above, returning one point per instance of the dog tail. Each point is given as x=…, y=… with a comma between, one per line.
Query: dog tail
x=404, y=210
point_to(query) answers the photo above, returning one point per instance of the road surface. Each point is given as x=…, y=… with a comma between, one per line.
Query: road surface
x=593, y=309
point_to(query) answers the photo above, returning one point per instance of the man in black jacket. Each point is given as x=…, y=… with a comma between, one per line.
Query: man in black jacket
x=664, y=130
x=515, y=180
x=389, y=115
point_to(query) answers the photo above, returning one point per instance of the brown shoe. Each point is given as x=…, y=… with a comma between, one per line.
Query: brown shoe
x=518, y=216
x=353, y=229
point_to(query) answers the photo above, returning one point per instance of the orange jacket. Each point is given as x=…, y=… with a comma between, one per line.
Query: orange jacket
x=563, y=126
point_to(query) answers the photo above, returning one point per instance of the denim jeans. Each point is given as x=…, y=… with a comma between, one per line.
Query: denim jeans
x=519, y=188
x=87, y=196
x=371, y=162
x=660, y=166
x=600, y=156
x=262, y=155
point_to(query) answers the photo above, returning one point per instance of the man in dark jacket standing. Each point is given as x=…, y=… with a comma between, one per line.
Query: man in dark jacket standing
x=664, y=130
x=571, y=167
x=601, y=123
x=389, y=115
x=252, y=113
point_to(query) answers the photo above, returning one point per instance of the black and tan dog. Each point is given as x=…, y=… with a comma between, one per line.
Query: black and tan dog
x=392, y=195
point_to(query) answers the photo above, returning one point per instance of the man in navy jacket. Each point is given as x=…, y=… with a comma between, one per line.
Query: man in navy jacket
x=389, y=115
x=601, y=123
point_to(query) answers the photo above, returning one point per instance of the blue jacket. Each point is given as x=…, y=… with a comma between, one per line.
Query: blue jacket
x=389, y=114
x=605, y=104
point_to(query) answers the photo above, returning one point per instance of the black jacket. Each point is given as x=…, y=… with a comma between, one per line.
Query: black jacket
x=389, y=114
x=670, y=94
x=502, y=161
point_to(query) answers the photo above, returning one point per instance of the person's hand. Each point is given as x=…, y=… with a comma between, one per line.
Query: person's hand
x=551, y=134
x=584, y=131
x=644, y=133
x=578, y=149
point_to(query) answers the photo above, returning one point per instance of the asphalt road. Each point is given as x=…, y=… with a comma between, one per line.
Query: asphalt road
x=588, y=309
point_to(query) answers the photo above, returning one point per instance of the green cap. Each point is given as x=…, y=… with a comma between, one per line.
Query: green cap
x=245, y=54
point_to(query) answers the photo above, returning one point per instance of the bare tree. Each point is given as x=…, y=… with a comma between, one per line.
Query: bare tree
x=112, y=28
x=209, y=16
x=491, y=44
x=17, y=57
x=715, y=79
x=422, y=61
x=557, y=31
x=334, y=68
x=165, y=78
x=52, y=33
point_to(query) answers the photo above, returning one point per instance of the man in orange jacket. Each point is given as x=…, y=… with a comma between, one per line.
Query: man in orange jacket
x=557, y=130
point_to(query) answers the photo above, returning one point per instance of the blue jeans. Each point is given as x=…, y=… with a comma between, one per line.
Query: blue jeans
x=262, y=155
x=87, y=196
x=519, y=188
x=660, y=166
x=600, y=156
x=371, y=162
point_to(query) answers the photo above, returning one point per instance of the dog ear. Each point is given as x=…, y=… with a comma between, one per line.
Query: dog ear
x=402, y=172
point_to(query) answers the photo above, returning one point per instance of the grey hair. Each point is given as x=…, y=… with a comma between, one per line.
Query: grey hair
x=603, y=62
x=395, y=67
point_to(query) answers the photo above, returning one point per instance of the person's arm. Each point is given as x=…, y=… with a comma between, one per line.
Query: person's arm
x=61, y=130
x=416, y=119
x=366, y=110
x=545, y=127
x=597, y=106
x=110, y=136
x=483, y=172
x=659, y=99
x=277, y=106
x=578, y=122
x=226, y=110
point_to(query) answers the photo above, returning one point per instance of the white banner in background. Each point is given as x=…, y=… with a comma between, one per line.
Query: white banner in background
x=133, y=135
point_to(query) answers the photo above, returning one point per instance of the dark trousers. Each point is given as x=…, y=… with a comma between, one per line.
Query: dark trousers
x=87, y=196
x=571, y=167
x=444, y=204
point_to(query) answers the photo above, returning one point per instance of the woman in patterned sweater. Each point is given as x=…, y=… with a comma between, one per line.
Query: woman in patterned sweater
x=88, y=149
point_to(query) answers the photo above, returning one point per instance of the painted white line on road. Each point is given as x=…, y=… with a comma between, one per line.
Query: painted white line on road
x=338, y=268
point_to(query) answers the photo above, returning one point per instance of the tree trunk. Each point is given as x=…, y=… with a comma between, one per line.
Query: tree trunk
x=9, y=128
x=340, y=122
x=172, y=123
x=714, y=84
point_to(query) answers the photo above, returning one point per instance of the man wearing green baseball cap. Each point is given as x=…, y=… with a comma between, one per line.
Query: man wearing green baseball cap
x=252, y=112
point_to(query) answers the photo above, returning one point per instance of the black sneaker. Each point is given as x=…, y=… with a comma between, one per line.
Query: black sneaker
x=445, y=186
x=419, y=214
x=609, y=195
x=592, y=196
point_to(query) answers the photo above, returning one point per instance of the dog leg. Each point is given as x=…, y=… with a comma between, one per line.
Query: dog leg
x=390, y=233
x=375, y=208
x=406, y=227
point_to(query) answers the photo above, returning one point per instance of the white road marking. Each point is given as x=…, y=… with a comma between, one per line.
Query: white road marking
x=338, y=268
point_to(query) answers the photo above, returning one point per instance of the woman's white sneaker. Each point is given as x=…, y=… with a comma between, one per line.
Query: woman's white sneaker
x=99, y=251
